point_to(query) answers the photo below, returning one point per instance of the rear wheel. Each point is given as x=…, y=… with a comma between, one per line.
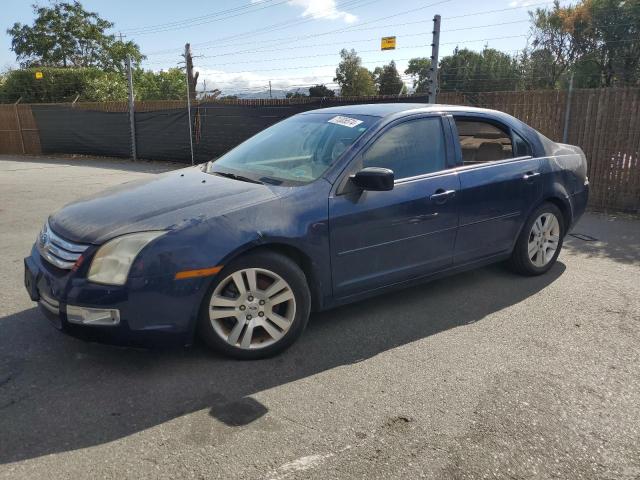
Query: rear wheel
x=540, y=241
x=259, y=306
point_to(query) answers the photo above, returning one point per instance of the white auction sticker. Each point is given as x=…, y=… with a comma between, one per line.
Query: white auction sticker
x=345, y=121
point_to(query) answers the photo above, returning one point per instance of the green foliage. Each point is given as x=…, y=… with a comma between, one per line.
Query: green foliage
x=353, y=78
x=469, y=71
x=107, y=87
x=321, y=91
x=597, y=40
x=66, y=35
x=388, y=79
x=57, y=84
x=295, y=95
x=418, y=68
x=162, y=85
x=91, y=84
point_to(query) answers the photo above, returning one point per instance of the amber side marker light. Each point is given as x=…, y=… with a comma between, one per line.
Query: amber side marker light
x=202, y=272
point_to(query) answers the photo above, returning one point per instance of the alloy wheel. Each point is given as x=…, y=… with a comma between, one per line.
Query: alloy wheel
x=252, y=308
x=543, y=239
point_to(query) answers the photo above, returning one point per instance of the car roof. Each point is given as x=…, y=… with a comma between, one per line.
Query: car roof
x=386, y=109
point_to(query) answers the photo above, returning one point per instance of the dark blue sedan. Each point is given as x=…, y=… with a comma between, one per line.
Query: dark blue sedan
x=324, y=208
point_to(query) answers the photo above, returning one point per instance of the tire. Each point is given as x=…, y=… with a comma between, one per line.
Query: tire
x=267, y=300
x=538, y=262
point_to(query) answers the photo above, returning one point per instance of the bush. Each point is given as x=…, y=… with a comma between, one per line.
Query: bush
x=91, y=84
x=56, y=84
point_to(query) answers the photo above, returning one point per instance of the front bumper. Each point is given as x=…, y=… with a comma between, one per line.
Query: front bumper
x=144, y=312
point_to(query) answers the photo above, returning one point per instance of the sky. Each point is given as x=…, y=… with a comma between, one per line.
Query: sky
x=241, y=45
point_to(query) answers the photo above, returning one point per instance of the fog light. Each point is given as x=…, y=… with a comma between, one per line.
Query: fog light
x=93, y=316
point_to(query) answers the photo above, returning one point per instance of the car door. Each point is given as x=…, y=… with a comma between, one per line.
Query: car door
x=383, y=237
x=499, y=183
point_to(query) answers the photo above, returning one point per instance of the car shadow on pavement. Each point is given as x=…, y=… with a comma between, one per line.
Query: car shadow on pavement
x=59, y=394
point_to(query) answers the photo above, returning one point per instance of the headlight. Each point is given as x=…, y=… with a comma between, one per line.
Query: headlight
x=113, y=260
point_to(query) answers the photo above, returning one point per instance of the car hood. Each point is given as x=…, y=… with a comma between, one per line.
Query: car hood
x=164, y=202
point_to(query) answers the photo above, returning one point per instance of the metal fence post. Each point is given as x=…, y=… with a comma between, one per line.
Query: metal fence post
x=132, y=111
x=435, y=46
x=19, y=125
x=188, y=73
x=567, y=112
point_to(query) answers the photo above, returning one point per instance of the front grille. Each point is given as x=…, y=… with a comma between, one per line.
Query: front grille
x=58, y=251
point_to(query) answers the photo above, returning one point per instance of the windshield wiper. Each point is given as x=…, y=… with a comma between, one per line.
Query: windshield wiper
x=237, y=177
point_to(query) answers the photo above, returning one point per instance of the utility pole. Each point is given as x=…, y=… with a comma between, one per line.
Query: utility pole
x=132, y=111
x=189, y=79
x=567, y=111
x=433, y=80
x=132, y=105
x=270, y=89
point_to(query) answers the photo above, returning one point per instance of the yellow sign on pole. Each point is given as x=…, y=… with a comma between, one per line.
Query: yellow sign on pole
x=388, y=43
x=39, y=75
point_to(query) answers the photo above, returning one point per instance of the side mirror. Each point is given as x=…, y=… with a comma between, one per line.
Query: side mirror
x=374, y=178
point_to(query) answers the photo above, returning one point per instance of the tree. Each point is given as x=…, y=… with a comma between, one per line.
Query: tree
x=66, y=35
x=487, y=71
x=597, y=39
x=162, y=85
x=91, y=84
x=613, y=28
x=321, y=91
x=552, y=32
x=353, y=78
x=388, y=79
x=295, y=95
x=535, y=71
x=419, y=68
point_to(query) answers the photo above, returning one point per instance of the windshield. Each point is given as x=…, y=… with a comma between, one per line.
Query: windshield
x=295, y=151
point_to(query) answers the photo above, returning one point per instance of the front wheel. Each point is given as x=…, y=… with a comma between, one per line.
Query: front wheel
x=259, y=306
x=540, y=241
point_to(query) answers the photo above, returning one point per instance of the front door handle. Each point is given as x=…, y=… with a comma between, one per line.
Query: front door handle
x=441, y=196
x=530, y=176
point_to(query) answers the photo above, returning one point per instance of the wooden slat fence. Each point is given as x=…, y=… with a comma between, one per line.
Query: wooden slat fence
x=605, y=123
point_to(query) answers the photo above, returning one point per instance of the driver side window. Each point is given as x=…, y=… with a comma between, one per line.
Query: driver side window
x=409, y=149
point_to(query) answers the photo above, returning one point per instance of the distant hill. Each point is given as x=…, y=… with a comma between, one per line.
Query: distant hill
x=275, y=93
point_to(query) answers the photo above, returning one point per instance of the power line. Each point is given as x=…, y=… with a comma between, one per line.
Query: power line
x=279, y=26
x=377, y=61
x=210, y=18
x=342, y=42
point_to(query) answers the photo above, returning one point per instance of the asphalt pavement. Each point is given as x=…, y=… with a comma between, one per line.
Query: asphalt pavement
x=480, y=375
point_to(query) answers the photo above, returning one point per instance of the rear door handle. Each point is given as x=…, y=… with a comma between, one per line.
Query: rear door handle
x=530, y=176
x=441, y=196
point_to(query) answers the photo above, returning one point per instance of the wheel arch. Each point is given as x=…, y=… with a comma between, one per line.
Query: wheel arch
x=564, y=207
x=298, y=256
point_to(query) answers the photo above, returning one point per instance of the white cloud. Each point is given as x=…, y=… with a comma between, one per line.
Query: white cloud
x=325, y=9
x=320, y=9
x=520, y=3
x=239, y=82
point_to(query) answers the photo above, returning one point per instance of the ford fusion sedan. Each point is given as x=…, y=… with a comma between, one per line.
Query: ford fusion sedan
x=324, y=208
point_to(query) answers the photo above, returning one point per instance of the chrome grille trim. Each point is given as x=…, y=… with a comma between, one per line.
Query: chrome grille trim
x=58, y=251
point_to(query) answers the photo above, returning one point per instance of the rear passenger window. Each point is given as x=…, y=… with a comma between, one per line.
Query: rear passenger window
x=483, y=142
x=409, y=149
